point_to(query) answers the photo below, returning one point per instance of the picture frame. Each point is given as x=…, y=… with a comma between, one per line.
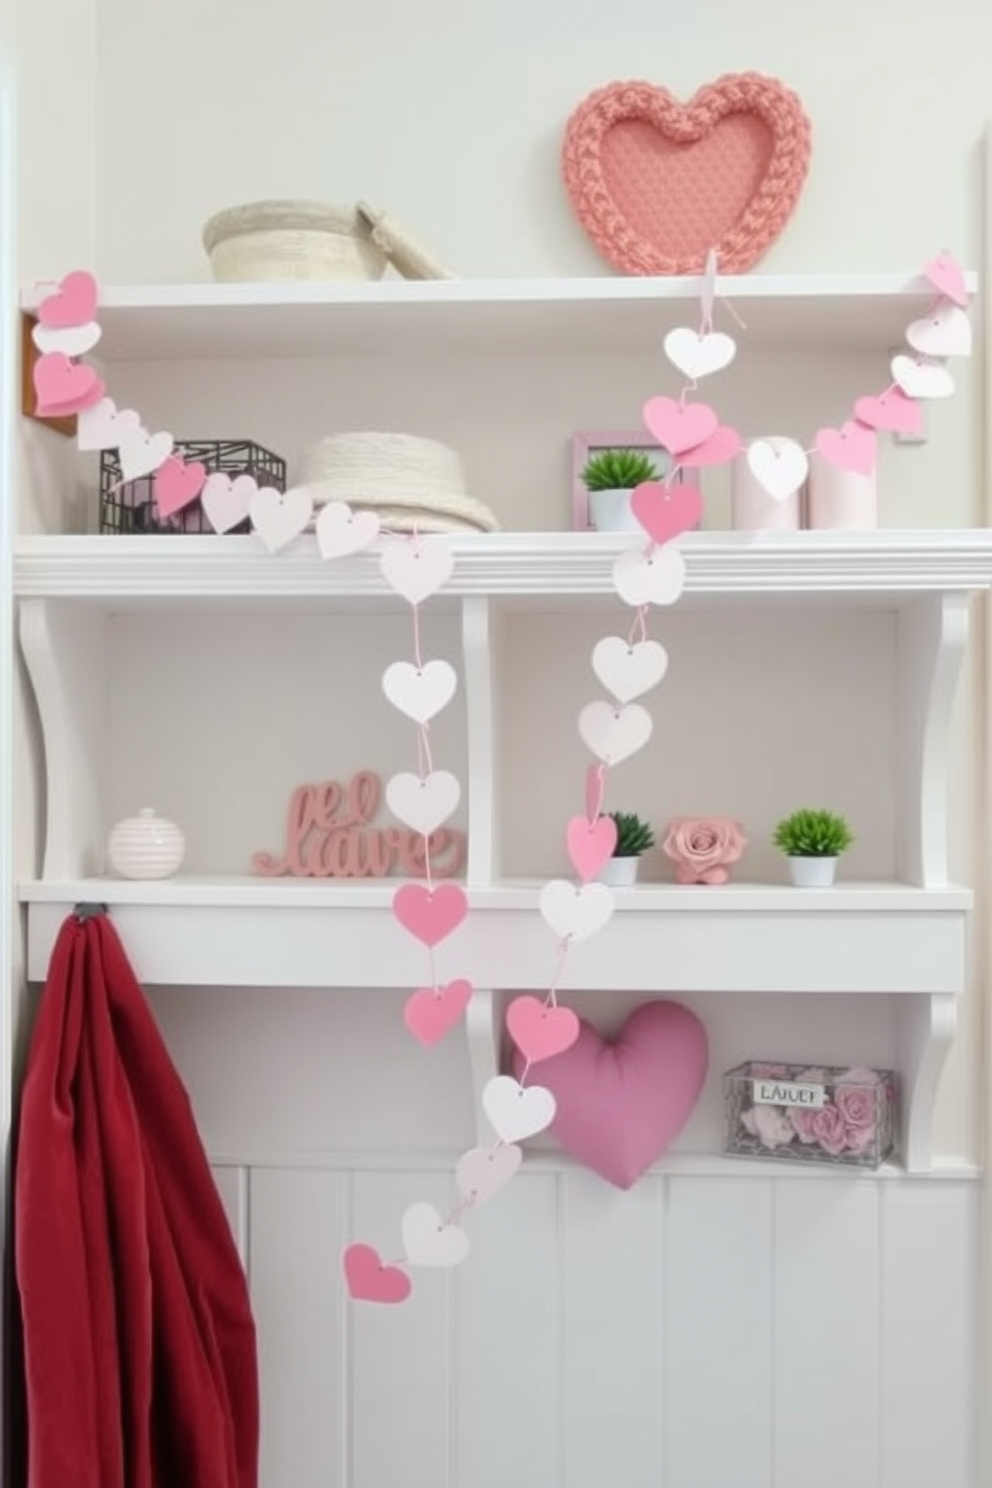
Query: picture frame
x=585, y=445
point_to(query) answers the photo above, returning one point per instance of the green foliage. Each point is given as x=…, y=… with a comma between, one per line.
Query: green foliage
x=619, y=470
x=633, y=835
x=813, y=834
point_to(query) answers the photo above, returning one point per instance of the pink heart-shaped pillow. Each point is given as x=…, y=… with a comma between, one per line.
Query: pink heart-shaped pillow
x=657, y=183
x=621, y=1103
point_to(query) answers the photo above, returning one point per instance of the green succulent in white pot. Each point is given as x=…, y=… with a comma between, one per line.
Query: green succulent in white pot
x=609, y=477
x=813, y=840
x=634, y=837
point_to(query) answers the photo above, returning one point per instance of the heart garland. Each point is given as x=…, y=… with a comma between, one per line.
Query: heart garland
x=781, y=466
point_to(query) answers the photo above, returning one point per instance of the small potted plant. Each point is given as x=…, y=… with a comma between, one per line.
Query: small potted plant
x=813, y=841
x=634, y=837
x=609, y=477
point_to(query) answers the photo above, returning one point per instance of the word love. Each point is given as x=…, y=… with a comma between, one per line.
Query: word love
x=330, y=834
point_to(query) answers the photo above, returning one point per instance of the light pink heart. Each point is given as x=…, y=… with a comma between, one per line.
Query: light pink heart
x=665, y=512
x=433, y=1011
x=430, y=915
x=851, y=447
x=539, y=1031
x=227, y=502
x=679, y=426
x=892, y=411
x=590, y=843
x=177, y=484
x=946, y=277
x=72, y=304
x=370, y=1281
x=723, y=445
x=63, y=386
x=619, y=1104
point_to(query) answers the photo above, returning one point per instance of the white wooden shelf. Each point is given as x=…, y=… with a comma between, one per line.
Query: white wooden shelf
x=551, y=316
x=117, y=573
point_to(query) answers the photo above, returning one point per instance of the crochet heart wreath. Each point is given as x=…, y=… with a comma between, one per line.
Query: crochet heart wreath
x=657, y=183
x=650, y=573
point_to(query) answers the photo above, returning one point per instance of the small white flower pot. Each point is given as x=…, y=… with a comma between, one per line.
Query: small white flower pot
x=813, y=873
x=620, y=873
x=146, y=846
x=609, y=511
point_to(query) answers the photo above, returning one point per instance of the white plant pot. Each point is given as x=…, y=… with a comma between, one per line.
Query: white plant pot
x=813, y=873
x=146, y=846
x=620, y=873
x=609, y=511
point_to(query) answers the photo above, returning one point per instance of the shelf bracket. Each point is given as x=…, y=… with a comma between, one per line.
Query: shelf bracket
x=483, y=1026
x=926, y=1032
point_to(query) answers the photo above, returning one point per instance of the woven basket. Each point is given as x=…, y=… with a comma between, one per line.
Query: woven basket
x=278, y=240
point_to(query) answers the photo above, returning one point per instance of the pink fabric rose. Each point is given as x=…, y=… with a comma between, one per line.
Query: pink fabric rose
x=769, y=1071
x=802, y=1122
x=770, y=1125
x=830, y=1130
x=856, y=1104
x=703, y=847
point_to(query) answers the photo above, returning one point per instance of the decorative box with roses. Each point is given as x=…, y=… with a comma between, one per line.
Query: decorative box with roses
x=807, y=1113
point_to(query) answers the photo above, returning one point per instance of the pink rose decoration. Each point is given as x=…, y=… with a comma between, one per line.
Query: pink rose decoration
x=857, y=1106
x=802, y=1123
x=830, y=1130
x=770, y=1125
x=704, y=847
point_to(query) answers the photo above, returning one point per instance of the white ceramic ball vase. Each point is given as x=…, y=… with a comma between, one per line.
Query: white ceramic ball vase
x=146, y=846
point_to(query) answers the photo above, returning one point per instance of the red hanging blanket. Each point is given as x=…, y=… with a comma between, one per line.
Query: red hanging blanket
x=138, y=1339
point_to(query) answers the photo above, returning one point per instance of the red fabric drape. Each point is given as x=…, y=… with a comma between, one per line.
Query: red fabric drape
x=138, y=1340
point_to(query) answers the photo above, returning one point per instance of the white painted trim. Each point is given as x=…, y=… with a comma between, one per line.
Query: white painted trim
x=8, y=403
x=888, y=563
x=983, y=853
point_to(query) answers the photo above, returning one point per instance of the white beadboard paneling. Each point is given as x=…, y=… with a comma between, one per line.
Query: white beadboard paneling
x=507, y=1367
x=718, y=1333
x=825, y=1345
x=300, y=1224
x=611, y=1333
x=929, y=1322
x=400, y=1359
x=232, y=1185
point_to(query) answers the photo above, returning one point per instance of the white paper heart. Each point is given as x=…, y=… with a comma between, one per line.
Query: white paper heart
x=922, y=379
x=71, y=341
x=104, y=426
x=279, y=516
x=227, y=503
x=425, y=804
x=780, y=466
x=615, y=731
x=946, y=331
x=517, y=1111
x=416, y=568
x=576, y=911
x=698, y=355
x=482, y=1172
x=341, y=531
x=655, y=576
x=428, y=1241
x=628, y=671
x=421, y=692
x=141, y=452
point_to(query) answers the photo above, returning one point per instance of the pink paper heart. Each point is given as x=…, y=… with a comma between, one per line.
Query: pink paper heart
x=63, y=386
x=665, y=512
x=723, y=445
x=619, y=1104
x=594, y=791
x=590, y=843
x=946, y=277
x=177, y=484
x=891, y=410
x=679, y=426
x=851, y=447
x=540, y=1032
x=370, y=1281
x=430, y=915
x=433, y=1011
x=73, y=303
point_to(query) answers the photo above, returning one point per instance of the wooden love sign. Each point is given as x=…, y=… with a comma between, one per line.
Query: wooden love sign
x=329, y=834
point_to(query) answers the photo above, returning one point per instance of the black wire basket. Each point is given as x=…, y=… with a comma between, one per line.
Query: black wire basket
x=130, y=508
